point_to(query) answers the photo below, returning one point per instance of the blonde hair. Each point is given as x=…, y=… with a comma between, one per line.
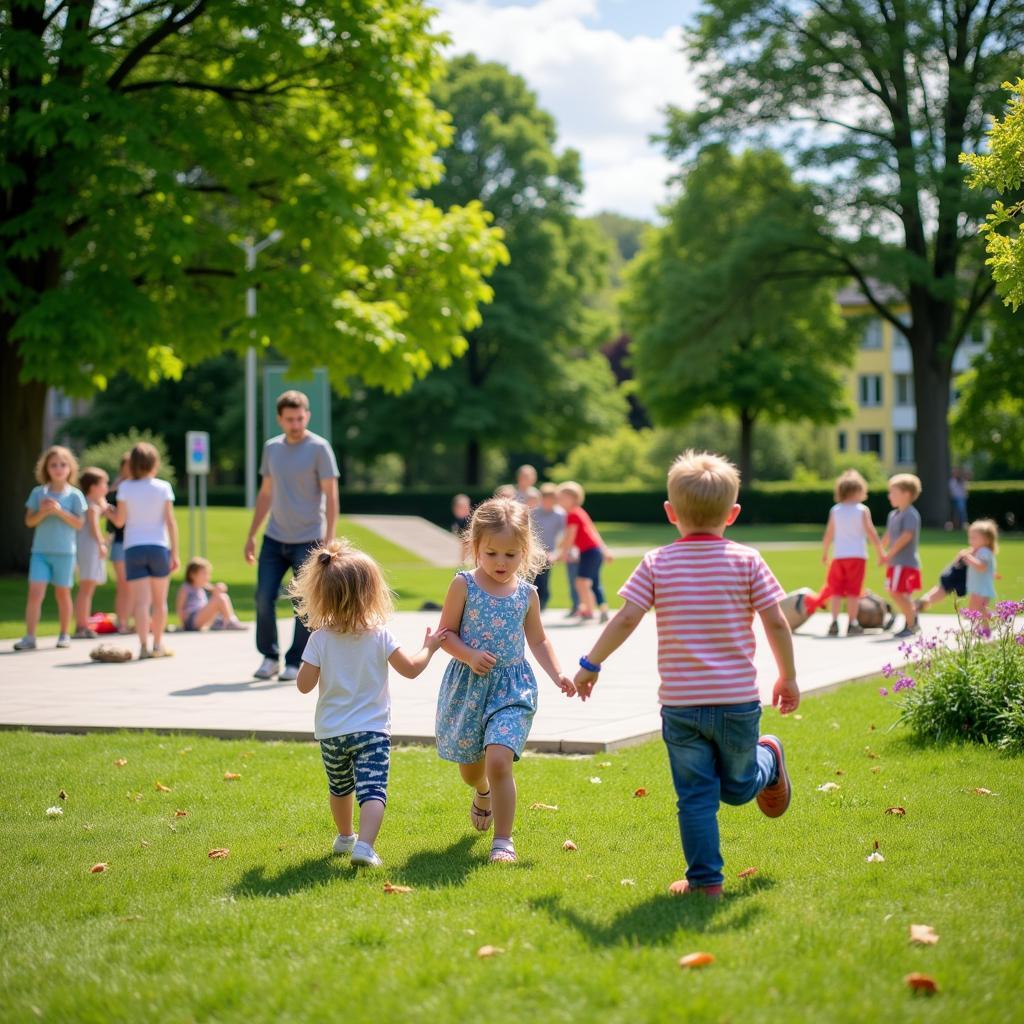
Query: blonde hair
x=504, y=515
x=43, y=477
x=907, y=482
x=989, y=528
x=849, y=483
x=575, y=489
x=194, y=565
x=342, y=589
x=702, y=488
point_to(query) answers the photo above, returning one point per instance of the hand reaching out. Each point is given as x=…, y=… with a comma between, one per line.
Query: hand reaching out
x=433, y=640
x=584, y=683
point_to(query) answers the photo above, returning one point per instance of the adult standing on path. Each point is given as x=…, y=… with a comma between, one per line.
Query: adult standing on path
x=300, y=491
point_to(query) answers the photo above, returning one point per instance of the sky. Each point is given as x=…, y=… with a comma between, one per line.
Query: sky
x=605, y=69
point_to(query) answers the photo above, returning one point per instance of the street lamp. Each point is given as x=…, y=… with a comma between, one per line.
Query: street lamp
x=252, y=250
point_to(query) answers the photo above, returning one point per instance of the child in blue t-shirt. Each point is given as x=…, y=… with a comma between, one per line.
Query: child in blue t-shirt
x=56, y=511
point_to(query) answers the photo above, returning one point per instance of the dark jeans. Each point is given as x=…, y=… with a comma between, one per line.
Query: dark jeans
x=573, y=569
x=275, y=560
x=590, y=569
x=543, y=585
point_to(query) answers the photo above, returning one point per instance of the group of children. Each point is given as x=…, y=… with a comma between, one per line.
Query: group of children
x=849, y=531
x=68, y=533
x=705, y=591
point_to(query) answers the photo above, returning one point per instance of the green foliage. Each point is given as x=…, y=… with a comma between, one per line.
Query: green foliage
x=974, y=691
x=106, y=454
x=1002, y=171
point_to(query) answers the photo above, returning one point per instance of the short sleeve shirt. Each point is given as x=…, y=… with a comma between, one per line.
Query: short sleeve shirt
x=298, y=509
x=982, y=581
x=550, y=526
x=586, y=535
x=353, y=695
x=895, y=526
x=704, y=590
x=53, y=536
x=145, y=505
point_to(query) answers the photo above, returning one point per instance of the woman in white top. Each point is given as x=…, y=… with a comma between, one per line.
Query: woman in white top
x=145, y=508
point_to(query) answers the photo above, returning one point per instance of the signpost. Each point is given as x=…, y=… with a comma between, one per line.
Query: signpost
x=197, y=463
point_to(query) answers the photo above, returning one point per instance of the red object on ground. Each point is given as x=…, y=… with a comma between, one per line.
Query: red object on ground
x=102, y=622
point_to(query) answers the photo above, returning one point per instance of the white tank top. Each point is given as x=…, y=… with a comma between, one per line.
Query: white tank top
x=849, y=539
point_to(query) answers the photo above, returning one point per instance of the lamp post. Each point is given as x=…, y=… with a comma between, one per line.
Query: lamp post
x=252, y=250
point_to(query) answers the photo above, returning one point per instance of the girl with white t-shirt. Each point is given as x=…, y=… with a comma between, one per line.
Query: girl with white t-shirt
x=145, y=508
x=341, y=595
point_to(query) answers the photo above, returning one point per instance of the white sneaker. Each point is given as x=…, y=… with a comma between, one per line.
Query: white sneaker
x=288, y=673
x=344, y=844
x=268, y=669
x=63, y=640
x=26, y=643
x=364, y=855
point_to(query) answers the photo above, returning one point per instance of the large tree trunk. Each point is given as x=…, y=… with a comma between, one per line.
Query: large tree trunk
x=473, y=457
x=747, y=447
x=21, y=440
x=932, y=377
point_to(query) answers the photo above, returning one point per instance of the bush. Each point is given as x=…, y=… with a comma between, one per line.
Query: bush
x=107, y=454
x=973, y=691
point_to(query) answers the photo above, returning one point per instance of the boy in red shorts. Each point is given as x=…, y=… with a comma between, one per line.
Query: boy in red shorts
x=902, y=534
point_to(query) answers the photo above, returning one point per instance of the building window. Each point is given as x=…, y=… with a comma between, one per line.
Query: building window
x=841, y=440
x=870, y=389
x=899, y=338
x=872, y=334
x=904, y=447
x=903, y=386
x=870, y=441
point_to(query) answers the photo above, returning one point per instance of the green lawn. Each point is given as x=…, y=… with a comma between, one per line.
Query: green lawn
x=282, y=931
x=414, y=581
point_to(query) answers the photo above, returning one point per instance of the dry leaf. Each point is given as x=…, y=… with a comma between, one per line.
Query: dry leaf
x=187, y=750
x=144, y=843
x=747, y=873
x=828, y=787
x=923, y=935
x=799, y=718
x=231, y=776
x=871, y=728
x=595, y=779
x=120, y=762
x=868, y=752
x=98, y=869
x=134, y=796
x=569, y=845
x=543, y=807
x=161, y=788
x=604, y=764
x=921, y=982
x=839, y=771
x=54, y=812
x=696, y=960
x=179, y=813
x=875, y=857
x=131, y=917
x=982, y=791
x=898, y=811
x=486, y=951
x=640, y=792
x=628, y=881
x=399, y=890
x=219, y=853
x=62, y=795
x=876, y=769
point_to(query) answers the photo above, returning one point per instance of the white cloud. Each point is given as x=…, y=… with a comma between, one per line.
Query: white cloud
x=607, y=92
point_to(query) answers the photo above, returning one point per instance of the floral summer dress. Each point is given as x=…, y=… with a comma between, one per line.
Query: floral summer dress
x=475, y=711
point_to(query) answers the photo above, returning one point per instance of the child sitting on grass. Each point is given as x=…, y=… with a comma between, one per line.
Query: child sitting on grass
x=342, y=598
x=201, y=604
x=705, y=590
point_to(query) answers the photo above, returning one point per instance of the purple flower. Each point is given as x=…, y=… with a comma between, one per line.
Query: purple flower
x=883, y=692
x=971, y=616
x=1007, y=610
x=1019, y=639
x=903, y=683
x=887, y=670
x=984, y=632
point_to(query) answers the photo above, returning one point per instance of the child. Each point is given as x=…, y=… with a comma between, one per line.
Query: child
x=461, y=509
x=952, y=580
x=549, y=523
x=145, y=508
x=341, y=595
x=979, y=570
x=581, y=533
x=200, y=603
x=902, y=533
x=848, y=530
x=489, y=694
x=123, y=596
x=92, y=549
x=705, y=590
x=56, y=511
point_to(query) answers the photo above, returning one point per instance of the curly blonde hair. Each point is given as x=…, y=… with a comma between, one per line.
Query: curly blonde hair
x=42, y=474
x=342, y=589
x=504, y=515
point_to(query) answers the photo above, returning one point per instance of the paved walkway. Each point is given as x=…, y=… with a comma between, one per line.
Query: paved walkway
x=208, y=688
x=430, y=542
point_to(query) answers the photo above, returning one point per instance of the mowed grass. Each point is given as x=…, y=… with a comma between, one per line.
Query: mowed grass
x=415, y=581
x=283, y=931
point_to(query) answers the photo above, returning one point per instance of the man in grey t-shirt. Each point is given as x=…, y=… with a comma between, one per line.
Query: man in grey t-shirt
x=300, y=491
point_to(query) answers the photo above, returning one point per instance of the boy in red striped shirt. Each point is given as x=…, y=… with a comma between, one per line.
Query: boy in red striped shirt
x=705, y=590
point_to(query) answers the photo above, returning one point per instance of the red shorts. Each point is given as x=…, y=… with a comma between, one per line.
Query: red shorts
x=846, y=577
x=902, y=579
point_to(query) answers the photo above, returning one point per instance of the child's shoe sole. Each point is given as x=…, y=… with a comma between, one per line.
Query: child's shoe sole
x=774, y=799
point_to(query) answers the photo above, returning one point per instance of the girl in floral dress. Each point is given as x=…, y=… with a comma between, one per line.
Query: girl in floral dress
x=489, y=693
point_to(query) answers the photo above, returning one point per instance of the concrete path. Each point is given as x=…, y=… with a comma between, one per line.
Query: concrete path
x=208, y=687
x=430, y=542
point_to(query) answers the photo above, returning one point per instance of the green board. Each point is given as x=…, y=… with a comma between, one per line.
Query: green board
x=316, y=388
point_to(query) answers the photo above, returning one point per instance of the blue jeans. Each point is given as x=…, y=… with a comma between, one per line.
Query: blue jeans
x=715, y=757
x=573, y=570
x=276, y=558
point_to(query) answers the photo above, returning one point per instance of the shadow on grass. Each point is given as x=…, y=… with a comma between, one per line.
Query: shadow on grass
x=435, y=869
x=655, y=921
x=308, y=874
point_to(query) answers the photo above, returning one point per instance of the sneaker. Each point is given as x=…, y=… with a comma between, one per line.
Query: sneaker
x=833, y=630
x=288, y=673
x=268, y=669
x=683, y=888
x=162, y=652
x=235, y=626
x=84, y=633
x=26, y=643
x=854, y=629
x=363, y=855
x=908, y=631
x=63, y=640
x=774, y=799
x=345, y=844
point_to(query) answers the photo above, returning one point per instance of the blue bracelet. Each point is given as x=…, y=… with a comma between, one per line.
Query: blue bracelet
x=586, y=663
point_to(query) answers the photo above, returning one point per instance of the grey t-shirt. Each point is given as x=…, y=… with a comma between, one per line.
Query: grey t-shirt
x=550, y=526
x=895, y=526
x=297, y=512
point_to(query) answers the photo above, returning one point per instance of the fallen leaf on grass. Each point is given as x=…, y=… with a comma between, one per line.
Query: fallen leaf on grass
x=640, y=792
x=131, y=917
x=982, y=791
x=487, y=951
x=921, y=982
x=799, y=718
x=219, y=853
x=98, y=869
x=543, y=807
x=747, y=873
x=179, y=813
x=604, y=764
x=120, y=762
x=144, y=843
x=134, y=796
x=876, y=769
x=628, y=881
x=187, y=750
x=839, y=771
x=231, y=776
x=398, y=890
x=595, y=779
x=54, y=812
x=696, y=960
x=868, y=752
x=923, y=935
x=161, y=788
x=898, y=811
x=828, y=787
x=62, y=795
x=569, y=846
x=874, y=858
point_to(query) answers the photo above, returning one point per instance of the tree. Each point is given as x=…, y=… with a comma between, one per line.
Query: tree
x=138, y=140
x=723, y=316
x=881, y=97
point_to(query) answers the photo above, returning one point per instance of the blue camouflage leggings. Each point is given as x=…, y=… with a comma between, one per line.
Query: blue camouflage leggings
x=358, y=762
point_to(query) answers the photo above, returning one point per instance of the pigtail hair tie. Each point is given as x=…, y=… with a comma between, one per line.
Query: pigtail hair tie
x=324, y=557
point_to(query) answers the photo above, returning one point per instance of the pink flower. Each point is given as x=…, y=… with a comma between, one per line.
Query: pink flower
x=887, y=670
x=883, y=692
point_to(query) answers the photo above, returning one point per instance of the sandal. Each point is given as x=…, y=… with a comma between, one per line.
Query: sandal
x=478, y=817
x=502, y=852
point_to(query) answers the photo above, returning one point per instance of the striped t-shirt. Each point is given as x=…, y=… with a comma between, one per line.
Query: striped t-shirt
x=705, y=590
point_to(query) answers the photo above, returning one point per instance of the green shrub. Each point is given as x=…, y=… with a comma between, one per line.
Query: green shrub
x=972, y=691
x=107, y=453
